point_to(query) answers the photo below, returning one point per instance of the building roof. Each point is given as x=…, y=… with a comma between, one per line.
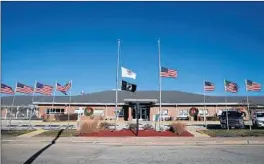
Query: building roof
x=108, y=97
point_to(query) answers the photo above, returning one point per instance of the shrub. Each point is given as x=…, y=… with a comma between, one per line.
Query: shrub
x=95, y=117
x=89, y=126
x=104, y=126
x=147, y=127
x=91, y=117
x=178, y=127
x=132, y=126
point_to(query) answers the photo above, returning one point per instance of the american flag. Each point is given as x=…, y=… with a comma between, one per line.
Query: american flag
x=44, y=89
x=22, y=88
x=166, y=72
x=63, y=89
x=208, y=86
x=231, y=86
x=6, y=89
x=253, y=86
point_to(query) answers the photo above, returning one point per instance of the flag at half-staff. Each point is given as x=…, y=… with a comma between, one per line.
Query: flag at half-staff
x=252, y=86
x=126, y=86
x=64, y=88
x=231, y=86
x=44, y=89
x=6, y=89
x=209, y=86
x=22, y=88
x=167, y=72
x=128, y=73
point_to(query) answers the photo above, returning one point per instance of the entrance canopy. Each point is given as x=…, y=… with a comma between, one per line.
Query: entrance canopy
x=140, y=108
x=142, y=101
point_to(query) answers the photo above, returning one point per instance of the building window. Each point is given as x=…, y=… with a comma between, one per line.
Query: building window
x=164, y=112
x=99, y=112
x=201, y=112
x=121, y=113
x=55, y=111
x=79, y=111
x=183, y=113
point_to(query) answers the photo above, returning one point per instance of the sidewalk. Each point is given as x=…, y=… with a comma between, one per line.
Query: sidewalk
x=144, y=141
x=32, y=134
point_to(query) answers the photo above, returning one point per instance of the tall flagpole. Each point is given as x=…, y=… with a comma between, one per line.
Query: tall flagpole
x=13, y=102
x=117, y=75
x=227, y=124
x=159, y=85
x=33, y=94
x=204, y=105
x=250, y=119
x=53, y=99
x=69, y=106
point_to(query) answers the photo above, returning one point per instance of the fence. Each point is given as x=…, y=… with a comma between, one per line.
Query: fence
x=26, y=117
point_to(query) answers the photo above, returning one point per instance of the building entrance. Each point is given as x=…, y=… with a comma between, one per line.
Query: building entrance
x=143, y=112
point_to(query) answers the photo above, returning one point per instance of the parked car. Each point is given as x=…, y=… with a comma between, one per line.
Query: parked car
x=258, y=119
x=235, y=119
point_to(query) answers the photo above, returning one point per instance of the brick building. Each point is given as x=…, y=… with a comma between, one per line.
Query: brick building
x=175, y=104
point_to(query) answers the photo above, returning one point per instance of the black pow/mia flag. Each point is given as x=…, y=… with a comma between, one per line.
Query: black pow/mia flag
x=126, y=86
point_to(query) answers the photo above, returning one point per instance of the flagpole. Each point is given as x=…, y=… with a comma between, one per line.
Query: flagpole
x=69, y=107
x=53, y=99
x=34, y=91
x=12, y=105
x=159, y=84
x=33, y=94
x=204, y=106
x=250, y=119
x=117, y=68
x=227, y=124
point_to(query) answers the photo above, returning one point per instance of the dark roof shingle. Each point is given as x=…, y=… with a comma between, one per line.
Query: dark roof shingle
x=109, y=97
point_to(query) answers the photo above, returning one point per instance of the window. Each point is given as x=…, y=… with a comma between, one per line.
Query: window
x=164, y=112
x=55, y=111
x=234, y=114
x=201, y=112
x=79, y=111
x=219, y=113
x=260, y=114
x=99, y=112
x=183, y=112
x=121, y=113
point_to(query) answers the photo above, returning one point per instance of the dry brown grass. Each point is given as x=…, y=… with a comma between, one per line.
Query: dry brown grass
x=96, y=118
x=89, y=126
x=178, y=127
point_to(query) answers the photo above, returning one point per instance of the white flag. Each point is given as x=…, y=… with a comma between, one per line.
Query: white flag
x=128, y=73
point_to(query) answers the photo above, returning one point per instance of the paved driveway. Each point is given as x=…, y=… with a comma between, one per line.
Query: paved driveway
x=69, y=153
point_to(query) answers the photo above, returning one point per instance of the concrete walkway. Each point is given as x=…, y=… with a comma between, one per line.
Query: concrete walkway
x=193, y=131
x=144, y=141
x=32, y=134
x=196, y=134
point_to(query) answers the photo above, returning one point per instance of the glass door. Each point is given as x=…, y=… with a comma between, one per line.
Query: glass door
x=143, y=113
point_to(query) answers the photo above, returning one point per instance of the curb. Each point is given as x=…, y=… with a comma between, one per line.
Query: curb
x=135, y=143
x=199, y=131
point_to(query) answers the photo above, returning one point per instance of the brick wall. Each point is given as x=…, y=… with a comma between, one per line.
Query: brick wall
x=173, y=111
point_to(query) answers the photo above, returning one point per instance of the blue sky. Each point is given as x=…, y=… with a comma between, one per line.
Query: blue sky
x=61, y=41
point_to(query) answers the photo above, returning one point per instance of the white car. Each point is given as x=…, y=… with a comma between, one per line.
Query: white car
x=258, y=119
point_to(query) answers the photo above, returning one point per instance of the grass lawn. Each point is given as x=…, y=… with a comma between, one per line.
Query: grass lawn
x=234, y=133
x=14, y=133
x=54, y=133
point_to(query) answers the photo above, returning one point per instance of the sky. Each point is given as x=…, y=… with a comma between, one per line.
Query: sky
x=62, y=41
